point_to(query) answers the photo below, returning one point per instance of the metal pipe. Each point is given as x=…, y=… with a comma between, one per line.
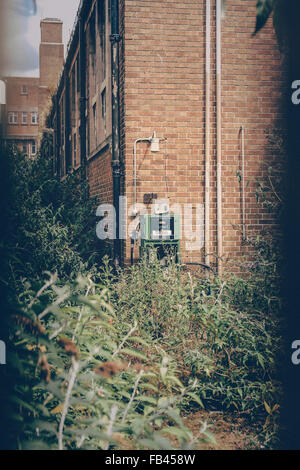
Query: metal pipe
x=143, y=139
x=82, y=58
x=68, y=149
x=244, y=236
x=57, y=137
x=207, y=138
x=219, y=137
x=115, y=38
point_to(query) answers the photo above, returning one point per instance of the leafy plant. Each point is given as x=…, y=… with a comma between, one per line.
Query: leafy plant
x=80, y=382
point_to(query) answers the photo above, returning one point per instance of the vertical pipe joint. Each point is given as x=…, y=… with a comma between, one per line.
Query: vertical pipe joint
x=219, y=136
x=115, y=39
x=207, y=136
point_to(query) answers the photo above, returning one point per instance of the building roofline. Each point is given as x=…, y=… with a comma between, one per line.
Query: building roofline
x=51, y=20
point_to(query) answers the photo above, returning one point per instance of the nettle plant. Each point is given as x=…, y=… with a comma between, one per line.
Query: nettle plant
x=85, y=380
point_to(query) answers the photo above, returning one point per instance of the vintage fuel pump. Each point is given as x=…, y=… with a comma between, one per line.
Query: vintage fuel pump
x=160, y=232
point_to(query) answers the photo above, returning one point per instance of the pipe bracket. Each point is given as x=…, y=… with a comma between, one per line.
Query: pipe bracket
x=115, y=38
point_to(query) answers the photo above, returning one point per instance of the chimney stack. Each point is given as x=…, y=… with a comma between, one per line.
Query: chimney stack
x=51, y=52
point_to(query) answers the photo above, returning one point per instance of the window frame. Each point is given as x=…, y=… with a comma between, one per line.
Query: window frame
x=34, y=121
x=75, y=149
x=24, y=114
x=33, y=145
x=26, y=147
x=14, y=116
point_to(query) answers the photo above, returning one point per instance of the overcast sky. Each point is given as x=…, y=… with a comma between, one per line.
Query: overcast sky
x=20, y=35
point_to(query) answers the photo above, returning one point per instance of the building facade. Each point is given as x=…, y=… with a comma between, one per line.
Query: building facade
x=28, y=98
x=172, y=100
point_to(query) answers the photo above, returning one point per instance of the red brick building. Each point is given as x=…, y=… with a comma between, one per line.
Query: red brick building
x=27, y=98
x=209, y=91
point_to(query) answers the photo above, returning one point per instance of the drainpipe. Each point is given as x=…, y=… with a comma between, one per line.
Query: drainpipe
x=219, y=136
x=244, y=236
x=207, y=136
x=115, y=38
x=143, y=139
x=57, y=136
x=68, y=149
x=82, y=128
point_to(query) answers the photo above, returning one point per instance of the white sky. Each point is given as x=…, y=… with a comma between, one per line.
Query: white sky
x=65, y=10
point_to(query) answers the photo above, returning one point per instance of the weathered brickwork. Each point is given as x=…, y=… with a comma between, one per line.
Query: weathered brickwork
x=252, y=84
x=162, y=90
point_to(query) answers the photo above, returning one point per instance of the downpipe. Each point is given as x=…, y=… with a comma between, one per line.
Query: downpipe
x=115, y=39
x=219, y=139
x=207, y=136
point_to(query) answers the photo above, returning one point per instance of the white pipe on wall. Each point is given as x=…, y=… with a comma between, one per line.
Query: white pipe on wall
x=219, y=137
x=207, y=135
x=146, y=139
x=154, y=141
x=244, y=236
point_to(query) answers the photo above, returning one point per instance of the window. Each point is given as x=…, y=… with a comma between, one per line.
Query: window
x=93, y=33
x=34, y=117
x=24, y=148
x=92, y=43
x=12, y=117
x=33, y=148
x=103, y=101
x=73, y=98
x=95, y=124
x=102, y=33
x=24, y=118
x=75, y=149
x=23, y=90
x=62, y=122
x=77, y=73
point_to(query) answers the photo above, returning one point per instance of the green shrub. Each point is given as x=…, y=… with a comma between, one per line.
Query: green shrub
x=225, y=333
x=51, y=222
x=83, y=379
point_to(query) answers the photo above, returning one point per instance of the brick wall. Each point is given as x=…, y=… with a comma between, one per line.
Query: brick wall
x=162, y=89
x=51, y=31
x=164, y=92
x=252, y=97
x=22, y=96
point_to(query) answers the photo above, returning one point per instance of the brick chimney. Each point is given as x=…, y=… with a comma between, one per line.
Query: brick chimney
x=51, y=52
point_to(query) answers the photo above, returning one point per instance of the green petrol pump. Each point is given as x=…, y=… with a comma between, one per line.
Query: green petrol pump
x=162, y=233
